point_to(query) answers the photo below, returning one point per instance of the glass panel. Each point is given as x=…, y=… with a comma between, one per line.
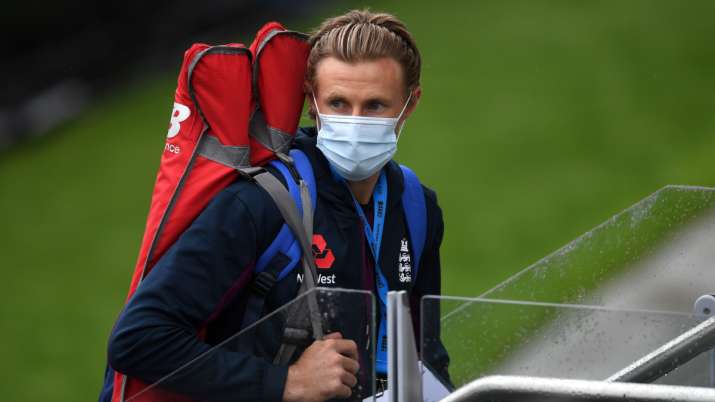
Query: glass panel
x=482, y=337
x=656, y=255
x=350, y=312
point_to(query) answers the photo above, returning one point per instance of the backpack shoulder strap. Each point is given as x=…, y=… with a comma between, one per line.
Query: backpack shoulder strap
x=285, y=242
x=304, y=320
x=305, y=170
x=413, y=203
x=284, y=252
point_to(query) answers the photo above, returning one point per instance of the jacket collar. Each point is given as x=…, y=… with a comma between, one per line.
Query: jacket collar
x=335, y=191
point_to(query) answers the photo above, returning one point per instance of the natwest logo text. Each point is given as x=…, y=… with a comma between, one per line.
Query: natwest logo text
x=322, y=279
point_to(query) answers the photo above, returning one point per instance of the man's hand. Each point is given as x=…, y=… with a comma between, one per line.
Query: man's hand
x=325, y=370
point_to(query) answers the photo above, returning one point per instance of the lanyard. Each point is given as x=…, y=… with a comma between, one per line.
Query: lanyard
x=374, y=239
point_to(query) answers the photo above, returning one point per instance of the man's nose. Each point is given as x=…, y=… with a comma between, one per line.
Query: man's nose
x=357, y=111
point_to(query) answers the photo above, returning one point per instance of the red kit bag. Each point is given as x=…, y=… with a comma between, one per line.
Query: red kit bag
x=234, y=108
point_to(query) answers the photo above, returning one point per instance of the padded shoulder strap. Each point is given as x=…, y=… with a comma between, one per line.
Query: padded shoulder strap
x=302, y=229
x=284, y=252
x=413, y=202
x=305, y=170
x=304, y=320
x=285, y=242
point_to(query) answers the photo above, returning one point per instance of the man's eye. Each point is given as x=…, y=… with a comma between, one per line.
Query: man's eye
x=336, y=104
x=375, y=106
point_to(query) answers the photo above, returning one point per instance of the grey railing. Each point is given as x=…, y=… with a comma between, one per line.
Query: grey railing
x=531, y=389
x=625, y=386
x=670, y=356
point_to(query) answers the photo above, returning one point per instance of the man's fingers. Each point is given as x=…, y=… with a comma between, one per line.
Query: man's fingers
x=343, y=392
x=351, y=365
x=346, y=347
x=348, y=379
x=333, y=335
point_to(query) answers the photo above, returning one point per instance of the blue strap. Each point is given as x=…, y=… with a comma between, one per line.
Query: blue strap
x=413, y=203
x=374, y=239
x=284, y=252
x=285, y=242
x=305, y=169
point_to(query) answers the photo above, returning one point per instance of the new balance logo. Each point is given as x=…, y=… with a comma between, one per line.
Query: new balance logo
x=179, y=114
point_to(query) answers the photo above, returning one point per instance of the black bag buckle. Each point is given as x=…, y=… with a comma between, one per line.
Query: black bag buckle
x=290, y=163
x=249, y=173
x=263, y=283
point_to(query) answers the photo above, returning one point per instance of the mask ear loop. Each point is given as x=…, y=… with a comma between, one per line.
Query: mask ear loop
x=400, y=116
x=315, y=102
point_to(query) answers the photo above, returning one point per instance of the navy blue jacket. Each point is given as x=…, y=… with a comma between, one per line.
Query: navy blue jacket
x=200, y=284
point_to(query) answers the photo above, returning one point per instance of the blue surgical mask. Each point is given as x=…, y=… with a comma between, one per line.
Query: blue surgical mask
x=358, y=146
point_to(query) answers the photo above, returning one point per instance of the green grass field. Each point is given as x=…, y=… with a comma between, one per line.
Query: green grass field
x=539, y=120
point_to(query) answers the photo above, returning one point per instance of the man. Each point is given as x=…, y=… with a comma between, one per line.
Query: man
x=362, y=84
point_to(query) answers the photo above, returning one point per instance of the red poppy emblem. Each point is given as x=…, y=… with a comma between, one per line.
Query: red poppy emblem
x=324, y=257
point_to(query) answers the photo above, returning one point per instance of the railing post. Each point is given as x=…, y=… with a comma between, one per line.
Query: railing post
x=403, y=372
x=705, y=308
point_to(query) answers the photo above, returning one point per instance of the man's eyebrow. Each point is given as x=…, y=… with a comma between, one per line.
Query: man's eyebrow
x=378, y=99
x=335, y=95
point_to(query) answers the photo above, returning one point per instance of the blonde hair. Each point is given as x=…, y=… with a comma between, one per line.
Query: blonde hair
x=363, y=35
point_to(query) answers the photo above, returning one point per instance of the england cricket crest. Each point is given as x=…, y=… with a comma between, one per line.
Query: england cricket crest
x=405, y=263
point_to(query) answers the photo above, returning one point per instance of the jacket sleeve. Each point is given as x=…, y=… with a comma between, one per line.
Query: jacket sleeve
x=158, y=330
x=429, y=282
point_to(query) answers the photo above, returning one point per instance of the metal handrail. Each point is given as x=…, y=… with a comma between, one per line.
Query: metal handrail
x=670, y=356
x=524, y=389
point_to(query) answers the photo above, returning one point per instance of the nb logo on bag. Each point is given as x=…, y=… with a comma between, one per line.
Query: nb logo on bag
x=178, y=115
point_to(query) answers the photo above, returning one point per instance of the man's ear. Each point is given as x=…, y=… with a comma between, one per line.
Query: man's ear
x=416, y=94
x=310, y=103
x=308, y=89
x=414, y=99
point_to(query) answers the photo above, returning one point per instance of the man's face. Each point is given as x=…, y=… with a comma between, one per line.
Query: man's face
x=367, y=88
